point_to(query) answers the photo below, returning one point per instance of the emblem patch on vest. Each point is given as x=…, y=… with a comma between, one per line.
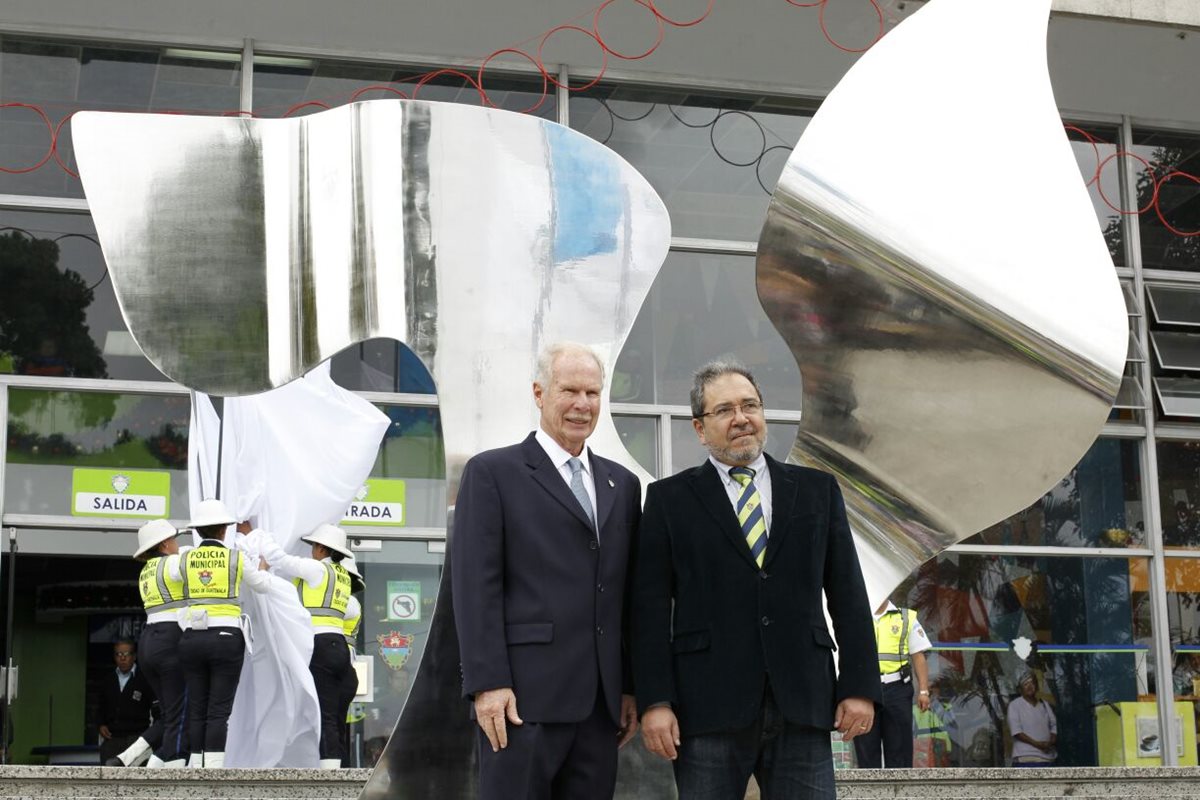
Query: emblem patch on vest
x=205, y=576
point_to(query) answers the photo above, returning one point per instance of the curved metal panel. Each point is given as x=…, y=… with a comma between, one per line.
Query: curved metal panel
x=961, y=335
x=245, y=252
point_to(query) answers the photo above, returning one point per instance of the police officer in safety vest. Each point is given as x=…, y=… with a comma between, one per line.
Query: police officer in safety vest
x=158, y=648
x=324, y=587
x=351, y=625
x=901, y=643
x=212, y=646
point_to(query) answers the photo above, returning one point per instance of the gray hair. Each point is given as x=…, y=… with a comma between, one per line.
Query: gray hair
x=550, y=353
x=709, y=373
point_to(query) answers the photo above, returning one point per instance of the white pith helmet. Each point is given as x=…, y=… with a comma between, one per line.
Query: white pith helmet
x=152, y=534
x=331, y=536
x=210, y=512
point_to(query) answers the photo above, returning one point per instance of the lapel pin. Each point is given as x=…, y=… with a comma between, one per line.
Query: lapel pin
x=611, y=485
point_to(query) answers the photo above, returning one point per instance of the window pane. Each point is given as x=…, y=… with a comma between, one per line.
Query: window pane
x=412, y=451
x=1179, y=492
x=381, y=365
x=58, y=312
x=640, y=437
x=1097, y=504
x=297, y=86
x=1094, y=148
x=62, y=78
x=702, y=307
x=52, y=433
x=1085, y=623
x=1168, y=195
x=714, y=160
x=394, y=646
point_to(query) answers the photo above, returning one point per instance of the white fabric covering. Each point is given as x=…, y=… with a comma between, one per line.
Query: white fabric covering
x=292, y=459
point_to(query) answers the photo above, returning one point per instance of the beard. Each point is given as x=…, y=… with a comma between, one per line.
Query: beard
x=739, y=454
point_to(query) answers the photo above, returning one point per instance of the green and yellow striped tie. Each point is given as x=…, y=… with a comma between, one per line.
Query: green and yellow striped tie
x=750, y=513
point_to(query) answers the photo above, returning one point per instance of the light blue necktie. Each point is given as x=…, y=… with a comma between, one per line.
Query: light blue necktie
x=578, y=489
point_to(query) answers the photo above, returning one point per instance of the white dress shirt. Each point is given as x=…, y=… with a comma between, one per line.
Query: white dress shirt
x=762, y=482
x=559, y=457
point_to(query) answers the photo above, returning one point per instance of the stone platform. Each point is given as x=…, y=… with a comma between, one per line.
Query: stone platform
x=105, y=783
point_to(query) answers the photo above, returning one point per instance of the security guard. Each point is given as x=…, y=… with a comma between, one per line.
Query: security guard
x=324, y=586
x=212, y=646
x=901, y=643
x=933, y=745
x=158, y=648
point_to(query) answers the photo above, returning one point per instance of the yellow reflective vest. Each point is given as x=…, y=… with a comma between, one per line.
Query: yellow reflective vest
x=212, y=578
x=891, y=639
x=159, y=591
x=350, y=626
x=326, y=601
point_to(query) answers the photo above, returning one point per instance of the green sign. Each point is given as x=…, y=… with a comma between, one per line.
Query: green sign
x=120, y=493
x=404, y=601
x=380, y=501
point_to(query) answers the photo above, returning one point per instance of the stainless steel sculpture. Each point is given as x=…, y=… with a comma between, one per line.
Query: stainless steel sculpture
x=245, y=252
x=949, y=297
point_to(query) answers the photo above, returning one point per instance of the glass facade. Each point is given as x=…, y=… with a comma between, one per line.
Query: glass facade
x=1078, y=587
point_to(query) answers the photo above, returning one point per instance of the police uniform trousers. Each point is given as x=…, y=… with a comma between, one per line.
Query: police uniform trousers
x=212, y=666
x=329, y=666
x=892, y=730
x=158, y=659
x=348, y=688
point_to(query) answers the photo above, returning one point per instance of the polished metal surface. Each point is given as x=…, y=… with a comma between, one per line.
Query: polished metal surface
x=944, y=287
x=244, y=252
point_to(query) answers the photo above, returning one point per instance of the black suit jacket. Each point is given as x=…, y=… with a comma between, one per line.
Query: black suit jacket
x=710, y=628
x=129, y=711
x=538, y=602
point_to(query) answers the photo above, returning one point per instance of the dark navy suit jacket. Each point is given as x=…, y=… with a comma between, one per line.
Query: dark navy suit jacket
x=710, y=628
x=538, y=600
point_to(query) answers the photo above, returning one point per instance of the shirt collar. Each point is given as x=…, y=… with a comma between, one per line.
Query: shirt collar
x=759, y=465
x=559, y=456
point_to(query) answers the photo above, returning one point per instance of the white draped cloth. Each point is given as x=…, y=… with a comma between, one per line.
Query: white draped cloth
x=291, y=459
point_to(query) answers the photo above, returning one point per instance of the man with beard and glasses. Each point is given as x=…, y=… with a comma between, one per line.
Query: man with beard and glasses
x=732, y=660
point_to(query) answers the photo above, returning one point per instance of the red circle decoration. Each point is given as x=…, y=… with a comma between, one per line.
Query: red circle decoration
x=57, y=137
x=596, y=31
x=1158, y=206
x=1095, y=150
x=487, y=101
x=807, y=5
x=317, y=103
x=1100, y=187
x=49, y=131
x=685, y=24
x=829, y=37
x=379, y=87
x=542, y=63
x=427, y=77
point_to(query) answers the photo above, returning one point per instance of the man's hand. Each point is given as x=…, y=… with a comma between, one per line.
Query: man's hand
x=854, y=717
x=629, y=722
x=244, y=527
x=923, y=701
x=105, y=733
x=660, y=732
x=492, y=708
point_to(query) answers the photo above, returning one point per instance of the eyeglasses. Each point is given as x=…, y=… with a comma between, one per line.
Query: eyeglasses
x=724, y=413
x=123, y=655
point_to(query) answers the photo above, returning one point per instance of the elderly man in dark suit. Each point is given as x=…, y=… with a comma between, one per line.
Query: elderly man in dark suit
x=539, y=551
x=732, y=659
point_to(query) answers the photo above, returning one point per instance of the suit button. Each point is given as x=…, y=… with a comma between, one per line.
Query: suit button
x=762, y=573
x=766, y=620
x=599, y=630
x=593, y=545
x=600, y=587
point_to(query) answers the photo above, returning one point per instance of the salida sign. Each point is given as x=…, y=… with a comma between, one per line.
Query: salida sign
x=380, y=501
x=120, y=493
